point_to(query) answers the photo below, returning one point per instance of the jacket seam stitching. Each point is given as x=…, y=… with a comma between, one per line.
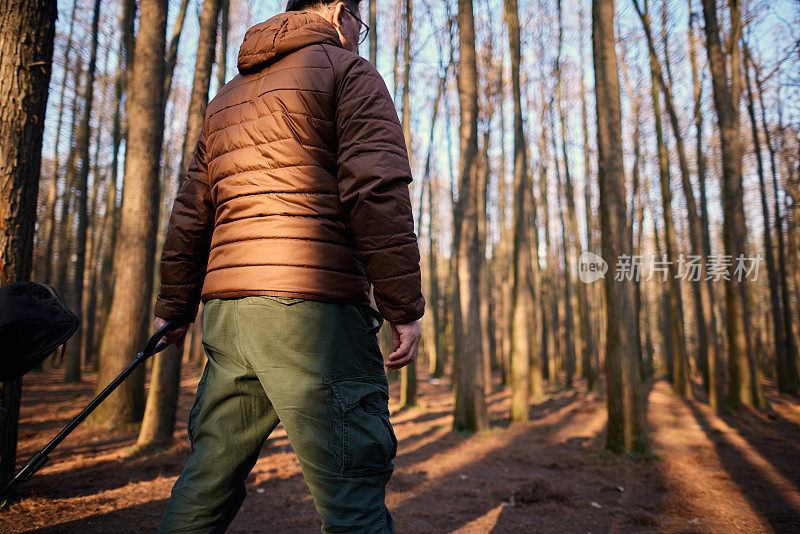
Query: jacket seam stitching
x=288, y=166
x=415, y=271
x=281, y=237
x=250, y=100
x=265, y=143
x=261, y=116
x=320, y=268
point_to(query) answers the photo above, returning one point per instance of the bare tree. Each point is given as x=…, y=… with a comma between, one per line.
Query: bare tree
x=50, y=214
x=27, y=31
x=162, y=400
x=373, y=31
x=742, y=385
x=522, y=292
x=469, y=410
x=73, y=355
x=790, y=384
x=408, y=374
x=129, y=321
x=626, y=418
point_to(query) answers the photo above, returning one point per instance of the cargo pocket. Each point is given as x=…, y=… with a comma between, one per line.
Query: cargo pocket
x=365, y=442
x=190, y=425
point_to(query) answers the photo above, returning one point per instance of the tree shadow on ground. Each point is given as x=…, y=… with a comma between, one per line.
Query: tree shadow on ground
x=756, y=487
x=553, y=481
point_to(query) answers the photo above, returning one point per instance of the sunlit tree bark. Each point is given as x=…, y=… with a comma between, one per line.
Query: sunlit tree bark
x=469, y=410
x=27, y=31
x=626, y=418
x=129, y=322
x=162, y=400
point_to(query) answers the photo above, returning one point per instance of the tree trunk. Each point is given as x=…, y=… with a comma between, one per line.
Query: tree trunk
x=100, y=173
x=129, y=322
x=224, y=27
x=742, y=383
x=626, y=417
x=435, y=356
x=408, y=374
x=64, y=241
x=591, y=365
x=162, y=399
x=27, y=31
x=569, y=328
x=50, y=215
x=118, y=132
x=713, y=378
x=172, y=51
x=373, y=32
x=469, y=407
x=550, y=319
x=521, y=302
x=786, y=382
x=73, y=356
x=792, y=356
x=680, y=368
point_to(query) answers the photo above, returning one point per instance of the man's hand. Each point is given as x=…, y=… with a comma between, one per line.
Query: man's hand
x=405, y=343
x=177, y=336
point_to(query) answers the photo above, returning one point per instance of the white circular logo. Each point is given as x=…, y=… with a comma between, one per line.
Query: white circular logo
x=591, y=267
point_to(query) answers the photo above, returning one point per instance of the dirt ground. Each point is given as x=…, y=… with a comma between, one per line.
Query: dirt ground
x=737, y=473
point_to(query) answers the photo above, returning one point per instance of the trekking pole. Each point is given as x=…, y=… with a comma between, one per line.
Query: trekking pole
x=38, y=460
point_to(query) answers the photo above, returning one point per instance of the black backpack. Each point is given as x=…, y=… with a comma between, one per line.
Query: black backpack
x=34, y=321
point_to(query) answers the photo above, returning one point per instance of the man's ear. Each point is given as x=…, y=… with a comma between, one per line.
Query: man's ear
x=336, y=17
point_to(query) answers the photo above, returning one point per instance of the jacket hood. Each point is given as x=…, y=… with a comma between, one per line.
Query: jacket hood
x=281, y=35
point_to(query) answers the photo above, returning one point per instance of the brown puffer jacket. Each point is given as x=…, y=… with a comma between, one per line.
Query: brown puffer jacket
x=299, y=183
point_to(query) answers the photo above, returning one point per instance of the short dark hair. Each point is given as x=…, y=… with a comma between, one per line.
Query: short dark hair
x=304, y=5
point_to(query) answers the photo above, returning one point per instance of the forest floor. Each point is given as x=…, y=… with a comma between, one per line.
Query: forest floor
x=735, y=473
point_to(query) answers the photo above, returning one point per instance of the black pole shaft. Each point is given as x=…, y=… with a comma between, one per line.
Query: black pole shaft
x=40, y=458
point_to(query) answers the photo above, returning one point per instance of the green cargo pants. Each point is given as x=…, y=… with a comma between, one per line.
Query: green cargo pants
x=315, y=367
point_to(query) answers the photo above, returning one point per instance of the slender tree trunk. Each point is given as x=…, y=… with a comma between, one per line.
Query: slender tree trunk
x=741, y=382
x=129, y=322
x=626, y=417
x=172, y=51
x=224, y=27
x=713, y=379
x=435, y=355
x=637, y=206
x=118, y=132
x=159, y=416
x=408, y=374
x=503, y=263
x=50, y=215
x=469, y=410
x=92, y=271
x=569, y=340
x=484, y=176
x=73, y=356
x=786, y=382
x=707, y=356
x=522, y=292
x=550, y=339
x=792, y=356
x=591, y=366
x=65, y=220
x=27, y=31
x=584, y=344
x=373, y=32
x=680, y=367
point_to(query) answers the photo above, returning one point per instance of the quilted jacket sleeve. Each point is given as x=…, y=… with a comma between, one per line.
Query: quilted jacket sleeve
x=374, y=174
x=186, y=246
